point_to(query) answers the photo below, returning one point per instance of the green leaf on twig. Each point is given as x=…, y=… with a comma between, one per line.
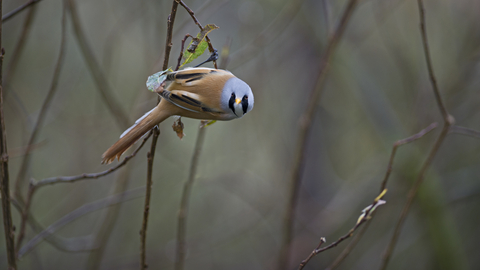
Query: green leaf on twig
x=198, y=45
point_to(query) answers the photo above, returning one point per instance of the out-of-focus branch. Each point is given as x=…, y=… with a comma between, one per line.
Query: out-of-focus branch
x=304, y=130
x=14, y=12
x=102, y=84
x=183, y=211
x=270, y=33
x=81, y=211
x=8, y=227
x=75, y=244
x=464, y=131
x=151, y=154
x=41, y=116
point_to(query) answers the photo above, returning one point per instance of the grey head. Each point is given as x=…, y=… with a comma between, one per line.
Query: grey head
x=237, y=98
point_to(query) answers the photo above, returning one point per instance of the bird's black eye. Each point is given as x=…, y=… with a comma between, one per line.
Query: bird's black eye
x=233, y=95
x=245, y=97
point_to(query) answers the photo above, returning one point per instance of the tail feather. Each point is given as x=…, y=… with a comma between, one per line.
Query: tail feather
x=143, y=125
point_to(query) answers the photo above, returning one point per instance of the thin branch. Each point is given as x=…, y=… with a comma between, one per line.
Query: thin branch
x=181, y=50
x=71, y=179
x=151, y=154
x=79, y=212
x=400, y=143
x=148, y=192
x=14, y=12
x=304, y=129
x=448, y=121
x=365, y=216
x=210, y=46
x=4, y=181
x=11, y=69
x=102, y=84
x=349, y=247
x=411, y=196
x=428, y=60
x=183, y=211
x=464, y=131
x=304, y=262
x=24, y=217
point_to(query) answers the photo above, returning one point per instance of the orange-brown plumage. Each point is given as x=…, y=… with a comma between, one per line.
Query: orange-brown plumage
x=194, y=93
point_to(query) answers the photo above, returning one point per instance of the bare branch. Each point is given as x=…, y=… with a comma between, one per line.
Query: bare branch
x=183, y=211
x=71, y=179
x=14, y=12
x=304, y=130
x=428, y=60
x=448, y=121
x=349, y=247
x=366, y=215
x=151, y=154
x=304, y=262
x=11, y=69
x=5, y=180
x=79, y=212
x=400, y=143
x=210, y=46
x=181, y=50
x=411, y=196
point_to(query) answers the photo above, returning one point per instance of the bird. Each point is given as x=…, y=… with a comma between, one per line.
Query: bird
x=199, y=93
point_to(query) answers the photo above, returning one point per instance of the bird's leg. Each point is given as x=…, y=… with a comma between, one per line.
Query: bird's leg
x=213, y=57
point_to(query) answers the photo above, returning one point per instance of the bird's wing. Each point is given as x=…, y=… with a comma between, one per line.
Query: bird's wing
x=189, y=76
x=188, y=101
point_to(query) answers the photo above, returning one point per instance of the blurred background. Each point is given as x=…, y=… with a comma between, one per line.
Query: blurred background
x=377, y=91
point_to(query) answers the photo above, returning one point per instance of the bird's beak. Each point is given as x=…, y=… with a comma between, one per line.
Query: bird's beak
x=237, y=100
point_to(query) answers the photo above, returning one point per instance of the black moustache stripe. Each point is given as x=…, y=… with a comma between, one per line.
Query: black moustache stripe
x=244, y=105
x=230, y=104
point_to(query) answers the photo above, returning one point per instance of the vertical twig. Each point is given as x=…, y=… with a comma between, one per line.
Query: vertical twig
x=181, y=50
x=11, y=70
x=4, y=181
x=192, y=14
x=304, y=129
x=183, y=211
x=448, y=121
x=151, y=154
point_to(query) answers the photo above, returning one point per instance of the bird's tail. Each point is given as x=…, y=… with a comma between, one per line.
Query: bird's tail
x=135, y=132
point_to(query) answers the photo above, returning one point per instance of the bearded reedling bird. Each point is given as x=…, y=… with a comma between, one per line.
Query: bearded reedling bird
x=200, y=93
